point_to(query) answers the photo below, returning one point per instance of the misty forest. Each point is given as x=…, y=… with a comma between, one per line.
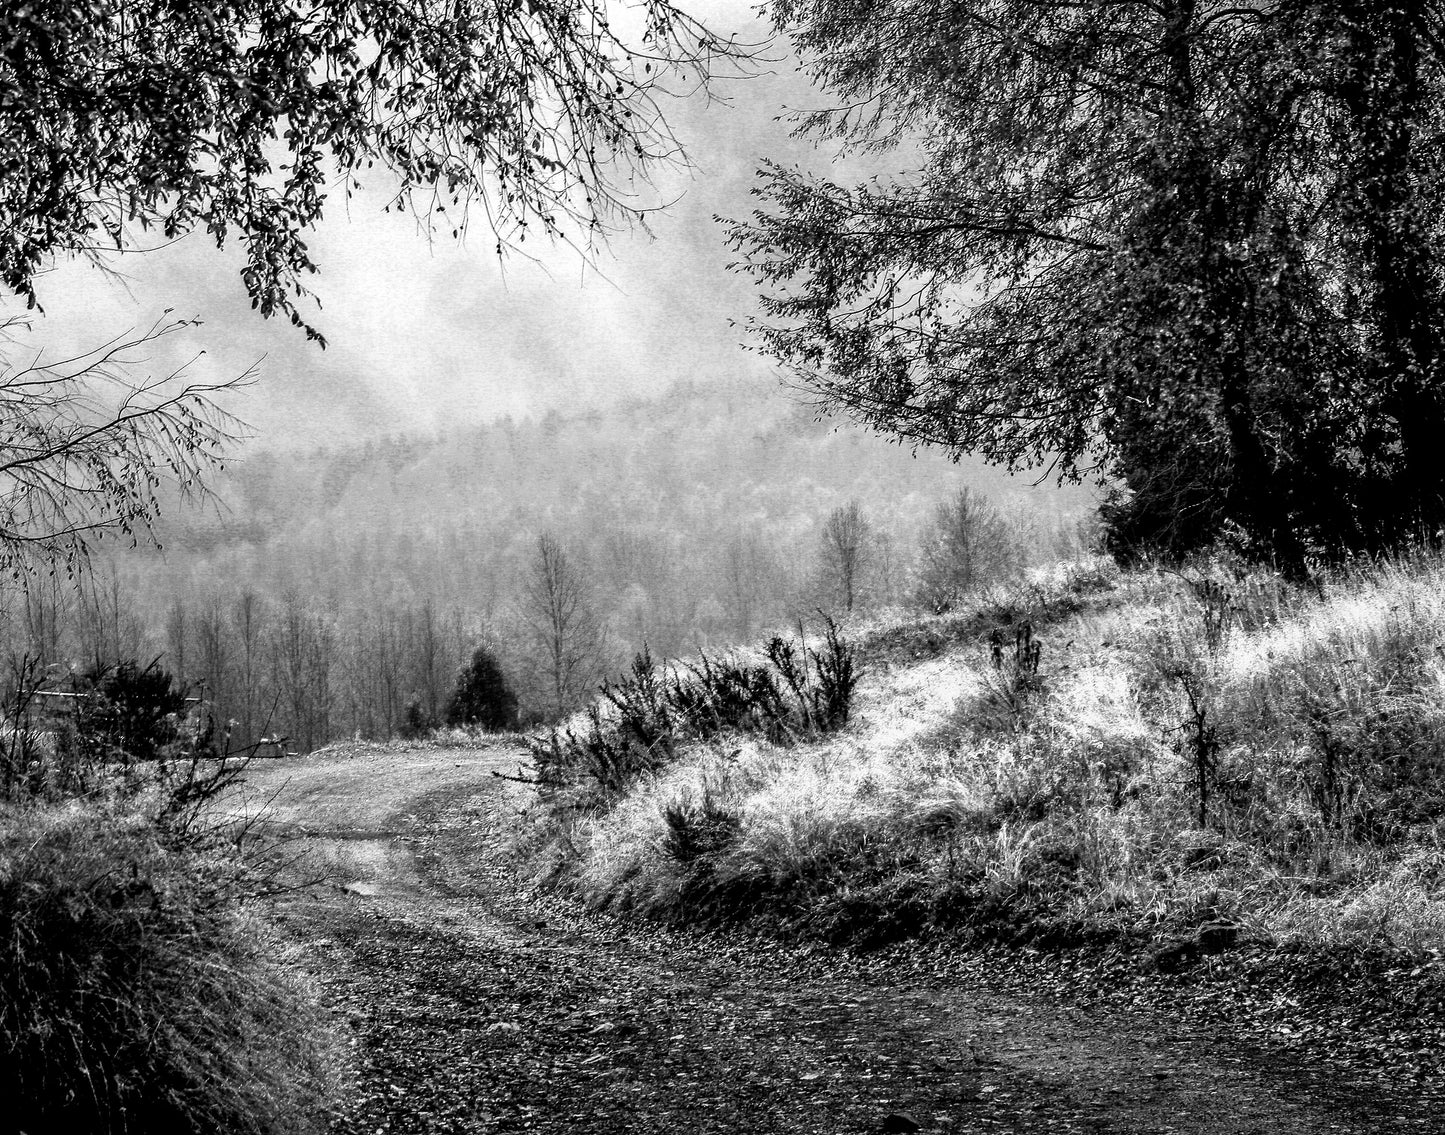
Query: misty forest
x=670, y=566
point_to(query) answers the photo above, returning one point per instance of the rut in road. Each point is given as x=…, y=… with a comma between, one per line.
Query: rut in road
x=478, y=1008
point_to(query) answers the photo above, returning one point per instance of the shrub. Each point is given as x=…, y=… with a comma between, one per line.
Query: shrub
x=134, y=994
x=824, y=699
x=120, y=718
x=601, y=762
x=416, y=722
x=127, y=713
x=649, y=712
x=696, y=830
x=482, y=695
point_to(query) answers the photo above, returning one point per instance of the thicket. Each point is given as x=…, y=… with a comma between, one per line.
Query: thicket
x=792, y=693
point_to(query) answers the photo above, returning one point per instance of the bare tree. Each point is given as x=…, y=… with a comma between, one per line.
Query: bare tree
x=389, y=655
x=46, y=608
x=86, y=448
x=248, y=619
x=566, y=633
x=178, y=633
x=218, y=671
x=885, y=570
x=968, y=546
x=109, y=630
x=746, y=571
x=302, y=644
x=433, y=669
x=846, y=553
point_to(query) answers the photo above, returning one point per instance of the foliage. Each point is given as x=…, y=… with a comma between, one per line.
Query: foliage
x=125, y=117
x=134, y=994
x=127, y=713
x=644, y=718
x=482, y=695
x=1192, y=248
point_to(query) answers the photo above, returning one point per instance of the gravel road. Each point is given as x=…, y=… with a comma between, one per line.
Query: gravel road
x=475, y=1007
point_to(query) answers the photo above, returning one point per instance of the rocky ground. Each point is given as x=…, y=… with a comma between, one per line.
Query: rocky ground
x=475, y=1007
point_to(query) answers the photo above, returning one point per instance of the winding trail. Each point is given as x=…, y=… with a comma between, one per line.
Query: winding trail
x=477, y=1008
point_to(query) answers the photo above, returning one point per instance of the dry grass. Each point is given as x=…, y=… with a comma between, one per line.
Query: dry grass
x=1068, y=804
x=135, y=992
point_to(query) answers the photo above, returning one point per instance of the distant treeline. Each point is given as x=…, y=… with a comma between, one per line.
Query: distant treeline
x=339, y=592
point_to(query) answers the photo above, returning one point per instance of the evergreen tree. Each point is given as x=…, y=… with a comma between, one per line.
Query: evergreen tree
x=482, y=695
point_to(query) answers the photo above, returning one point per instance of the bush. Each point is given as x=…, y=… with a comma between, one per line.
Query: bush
x=134, y=994
x=416, y=722
x=482, y=696
x=650, y=712
x=119, y=719
x=127, y=713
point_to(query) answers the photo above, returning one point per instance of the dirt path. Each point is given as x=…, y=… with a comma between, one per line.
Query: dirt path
x=475, y=1008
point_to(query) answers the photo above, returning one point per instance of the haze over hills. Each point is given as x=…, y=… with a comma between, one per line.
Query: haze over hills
x=681, y=478
x=691, y=520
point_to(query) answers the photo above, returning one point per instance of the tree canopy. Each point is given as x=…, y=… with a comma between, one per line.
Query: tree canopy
x=125, y=120
x=1193, y=248
x=125, y=123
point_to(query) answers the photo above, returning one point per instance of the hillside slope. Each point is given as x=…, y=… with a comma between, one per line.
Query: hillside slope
x=1206, y=770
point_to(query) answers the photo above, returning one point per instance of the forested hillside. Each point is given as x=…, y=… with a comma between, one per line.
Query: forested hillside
x=333, y=589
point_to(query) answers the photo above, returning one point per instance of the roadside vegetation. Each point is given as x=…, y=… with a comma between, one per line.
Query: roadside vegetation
x=1171, y=762
x=140, y=990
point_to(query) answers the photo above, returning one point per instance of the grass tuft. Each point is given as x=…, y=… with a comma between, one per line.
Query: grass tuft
x=136, y=995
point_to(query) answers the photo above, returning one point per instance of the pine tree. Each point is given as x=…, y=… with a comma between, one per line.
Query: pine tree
x=482, y=696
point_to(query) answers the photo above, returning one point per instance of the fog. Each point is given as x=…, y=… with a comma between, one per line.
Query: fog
x=426, y=332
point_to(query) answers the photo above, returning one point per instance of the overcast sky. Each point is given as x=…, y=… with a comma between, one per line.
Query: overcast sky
x=425, y=335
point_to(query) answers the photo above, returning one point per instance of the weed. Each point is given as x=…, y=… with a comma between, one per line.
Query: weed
x=1200, y=738
x=1012, y=691
x=698, y=830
